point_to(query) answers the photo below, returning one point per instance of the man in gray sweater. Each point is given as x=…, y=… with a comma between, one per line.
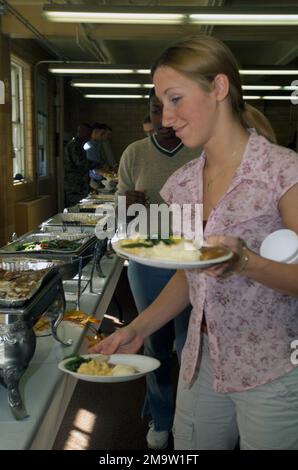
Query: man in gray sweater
x=144, y=168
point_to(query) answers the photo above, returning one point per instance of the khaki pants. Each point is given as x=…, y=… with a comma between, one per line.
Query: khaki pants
x=265, y=417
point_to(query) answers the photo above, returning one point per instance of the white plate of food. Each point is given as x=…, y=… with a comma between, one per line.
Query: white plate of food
x=108, y=369
x=171, y=253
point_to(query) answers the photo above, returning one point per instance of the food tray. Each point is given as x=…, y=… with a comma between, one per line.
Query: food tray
x=85, y=207
x=74, y=222
x=80, y=242
x=70, y=261
x=101, y=197
x=31, y=274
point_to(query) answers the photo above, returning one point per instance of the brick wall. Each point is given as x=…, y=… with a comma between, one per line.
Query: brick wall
x=283, y=116
x=6, y=187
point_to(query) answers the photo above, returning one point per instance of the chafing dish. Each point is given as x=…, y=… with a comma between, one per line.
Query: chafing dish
x=100, y=197
x=69, y=259
x=17, y=338
x=74, y=223
x=21, y=278
x=86, y=207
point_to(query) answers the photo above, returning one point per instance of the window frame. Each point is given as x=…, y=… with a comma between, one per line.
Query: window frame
x=18, y=119
x=42, y=112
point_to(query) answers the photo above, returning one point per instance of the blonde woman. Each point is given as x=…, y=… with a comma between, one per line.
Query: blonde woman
x=237, y=378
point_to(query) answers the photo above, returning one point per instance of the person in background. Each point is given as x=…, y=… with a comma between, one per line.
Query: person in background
x=94, y=147
x=76, y=167
x=239, y=375
x=108, y=153
x=144, y=167
x=147, y=126
x=98, y=148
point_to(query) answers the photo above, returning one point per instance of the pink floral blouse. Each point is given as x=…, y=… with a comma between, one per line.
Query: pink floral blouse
x=250, y=326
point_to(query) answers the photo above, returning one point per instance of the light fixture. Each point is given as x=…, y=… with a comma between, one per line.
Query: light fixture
x=275, y=97
x=269, y=72
x=2, y=92
x=251, y=97
x=269, y=87
x=130, y=70
x=98, y=70
x=115, y=15
x=110, y=85
x=115, y=96
x=150, y=85
x=259, y=15
x=270, y=97
x=248, y=19
x=294, y=99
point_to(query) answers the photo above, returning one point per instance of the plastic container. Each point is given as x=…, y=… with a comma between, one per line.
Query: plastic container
x=281, y=245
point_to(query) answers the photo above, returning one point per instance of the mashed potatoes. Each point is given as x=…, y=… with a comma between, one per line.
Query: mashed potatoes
x=95, y=367
x=183, y=251
x=122, y=369
x=178, y=250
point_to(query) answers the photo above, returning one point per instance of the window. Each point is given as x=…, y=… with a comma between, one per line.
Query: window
x=18, y=124
x=42, y=124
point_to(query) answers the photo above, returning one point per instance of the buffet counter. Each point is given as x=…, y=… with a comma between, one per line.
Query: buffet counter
x=46, y=390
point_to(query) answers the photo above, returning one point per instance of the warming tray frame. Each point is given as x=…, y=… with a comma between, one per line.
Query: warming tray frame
x=18, y=340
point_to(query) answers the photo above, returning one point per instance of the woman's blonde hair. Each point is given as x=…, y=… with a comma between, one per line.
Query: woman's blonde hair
x=255, y=118
x=201, y=58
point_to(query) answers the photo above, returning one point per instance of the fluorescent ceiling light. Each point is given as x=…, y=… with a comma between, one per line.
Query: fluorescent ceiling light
x=63, y=70
x=269, y=87
x=251, y=97
x=244, y=19
x=268, y=97
x=268, y=72
x=115, y=18
x=98, y=70
x=150, y=85
x=245, y=97
x=172, y=15
x=111, y=85
x=279, y=97
x=115, y=96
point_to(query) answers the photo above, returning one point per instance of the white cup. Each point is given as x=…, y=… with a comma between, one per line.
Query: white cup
x=281, y=245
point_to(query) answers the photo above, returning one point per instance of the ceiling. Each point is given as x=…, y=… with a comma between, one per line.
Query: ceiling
x=140, y=44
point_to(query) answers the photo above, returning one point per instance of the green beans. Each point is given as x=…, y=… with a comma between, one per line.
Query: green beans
x=74, y=363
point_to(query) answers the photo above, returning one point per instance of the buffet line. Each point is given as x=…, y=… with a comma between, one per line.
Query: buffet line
x=34, y=269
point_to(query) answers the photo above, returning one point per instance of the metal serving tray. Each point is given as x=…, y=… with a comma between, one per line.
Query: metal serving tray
x=86, y=207
x=101, y=197
x=73, y=223
x=32, y=309
x=24, y=265
x=82, y=239
x=70, y=261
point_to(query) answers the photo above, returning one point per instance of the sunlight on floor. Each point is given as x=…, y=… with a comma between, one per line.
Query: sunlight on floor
x=79, y=436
